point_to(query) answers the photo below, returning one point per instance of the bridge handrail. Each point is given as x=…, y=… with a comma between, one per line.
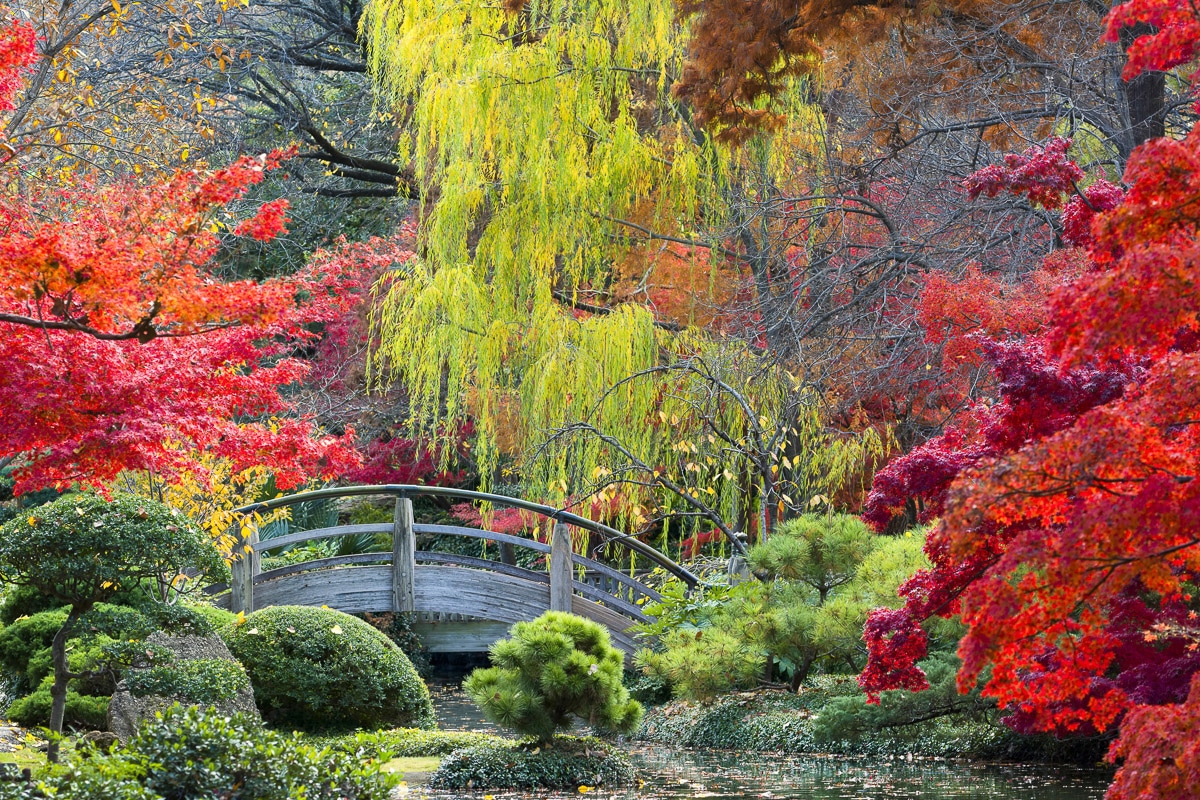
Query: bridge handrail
x=408, y=490
x=451, y=530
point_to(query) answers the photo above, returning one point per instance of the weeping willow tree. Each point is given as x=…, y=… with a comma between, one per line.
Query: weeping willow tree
x=548, y=145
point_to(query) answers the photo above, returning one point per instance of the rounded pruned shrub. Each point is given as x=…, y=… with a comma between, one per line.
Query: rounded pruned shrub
x=315, y=668
x=551, y=670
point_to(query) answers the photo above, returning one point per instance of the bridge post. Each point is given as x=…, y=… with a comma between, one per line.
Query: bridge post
x=404, y=558
x=244, y=568
x=562, y=567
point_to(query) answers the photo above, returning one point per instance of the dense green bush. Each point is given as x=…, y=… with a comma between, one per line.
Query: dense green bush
x=319, y=668
x=820, y=575
x=188, y=753
x=552, y=669
x=198, y=680
x=570, y=764
x=106, y=640
x=410, y=742
x=24, y=639
x=82, y=710
x=217, y=618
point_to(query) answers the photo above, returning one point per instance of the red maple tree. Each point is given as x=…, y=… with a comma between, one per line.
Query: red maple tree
x=1070, y=507
x=121, y=348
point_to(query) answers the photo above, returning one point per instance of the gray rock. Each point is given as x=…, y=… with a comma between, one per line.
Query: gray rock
x=126, y=712
x=104, y=740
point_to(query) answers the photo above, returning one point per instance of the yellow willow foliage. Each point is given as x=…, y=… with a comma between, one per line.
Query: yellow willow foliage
x=208, y=496
x=533, y=133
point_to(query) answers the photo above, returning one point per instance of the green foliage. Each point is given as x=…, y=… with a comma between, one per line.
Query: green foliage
x=24, y=601
x=314, y=667
x=786, y=722
x=851, y=718
x=822, y=551
x=683, y=607
x=552, y=669
x=27, y=638
x=188, y=753
x=821, y=575
x=704, y=663
x=82, y=710
x=398, y=628
x=82, y=549
x=410, y=742
x=571, y=763
x=217, y=618
x=199, y=680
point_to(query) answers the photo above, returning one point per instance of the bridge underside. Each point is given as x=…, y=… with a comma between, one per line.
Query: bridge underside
x=494, y=600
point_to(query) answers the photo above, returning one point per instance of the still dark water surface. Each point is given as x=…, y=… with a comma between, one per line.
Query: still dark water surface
x=677, y=774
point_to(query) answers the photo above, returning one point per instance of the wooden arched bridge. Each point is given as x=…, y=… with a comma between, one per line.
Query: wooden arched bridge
x=460, y=603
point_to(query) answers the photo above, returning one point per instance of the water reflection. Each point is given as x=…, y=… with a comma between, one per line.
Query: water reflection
x=671, y=774
x=678, y=774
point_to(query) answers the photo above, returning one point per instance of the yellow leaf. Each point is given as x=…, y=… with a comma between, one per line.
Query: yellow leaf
x=336, y=629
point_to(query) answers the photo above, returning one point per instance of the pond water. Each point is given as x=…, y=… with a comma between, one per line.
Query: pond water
x=676, y=774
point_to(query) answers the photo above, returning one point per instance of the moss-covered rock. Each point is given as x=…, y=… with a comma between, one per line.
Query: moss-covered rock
x=566, y=765
x=316, y=668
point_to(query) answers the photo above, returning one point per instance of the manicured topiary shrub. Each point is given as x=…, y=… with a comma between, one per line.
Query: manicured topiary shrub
x=316, y=668
x=551, y=670
x=571, y=764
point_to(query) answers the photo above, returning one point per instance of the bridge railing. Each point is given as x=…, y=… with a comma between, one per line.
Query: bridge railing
x=598, y=582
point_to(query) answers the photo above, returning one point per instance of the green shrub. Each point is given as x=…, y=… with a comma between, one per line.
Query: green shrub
x=83, y=550
x=24, y=601
x=189, y=753
x=199, y=680
x=552, y=669
x=821, y=575
x=315, y=667
x=410, y=742
x=787, y=723
x=702, y=663
x=82, y=710
x=570, y=764
x=217, y=618
x=26, y=638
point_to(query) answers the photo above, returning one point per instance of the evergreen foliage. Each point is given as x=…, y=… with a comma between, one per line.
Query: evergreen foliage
x=319, y=668
x=573, y=765
x=552, y=669
x=82, y=550
x=820, y=576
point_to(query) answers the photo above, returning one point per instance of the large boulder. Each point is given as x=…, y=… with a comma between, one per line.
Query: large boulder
x=126, y=712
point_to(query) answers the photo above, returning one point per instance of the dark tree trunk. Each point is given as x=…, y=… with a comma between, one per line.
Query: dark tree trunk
x=62, y=676
x=1144, y=97
x=801, y=672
